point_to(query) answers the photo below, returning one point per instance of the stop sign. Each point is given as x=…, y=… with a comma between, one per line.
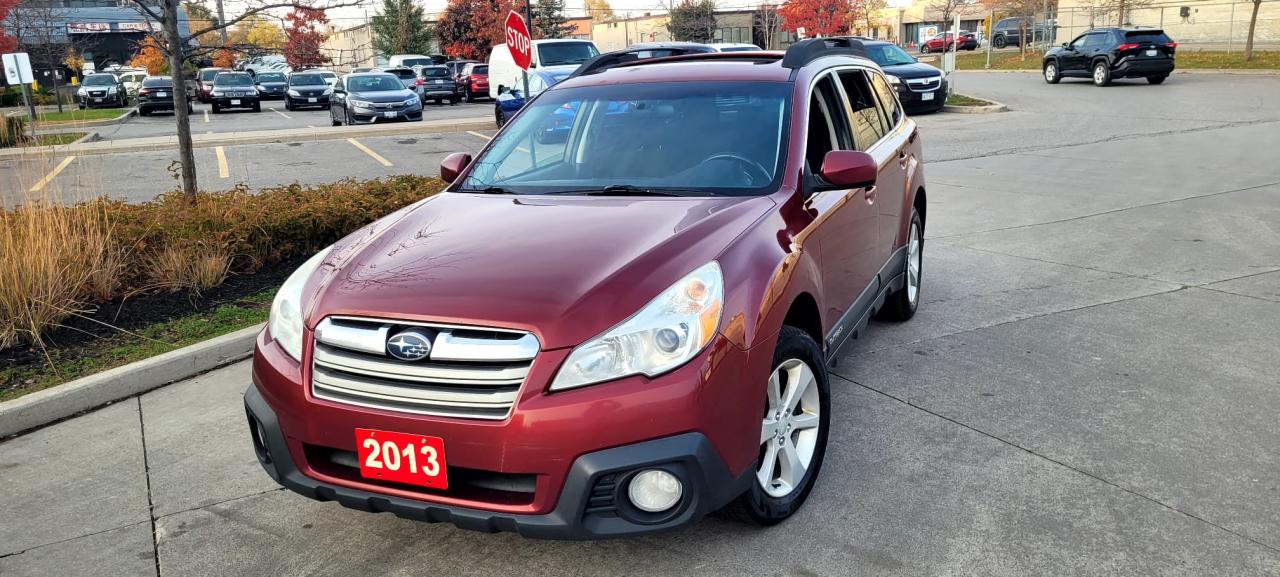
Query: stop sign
x=518, y=41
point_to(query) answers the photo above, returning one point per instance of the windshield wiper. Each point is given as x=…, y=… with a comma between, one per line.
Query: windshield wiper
x=489, y=190
x=626, y=190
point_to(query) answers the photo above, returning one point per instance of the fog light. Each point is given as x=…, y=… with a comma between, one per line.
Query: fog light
x=654, y=491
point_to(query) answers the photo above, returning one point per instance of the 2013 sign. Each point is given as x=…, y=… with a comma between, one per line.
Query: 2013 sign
x=518, y=40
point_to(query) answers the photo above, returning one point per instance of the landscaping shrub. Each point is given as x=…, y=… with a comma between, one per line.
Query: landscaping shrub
x=70, y=257
x=13, y=130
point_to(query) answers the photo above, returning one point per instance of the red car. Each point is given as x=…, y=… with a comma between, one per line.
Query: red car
x=944, y=41
x=615, y=329
x=474, y=79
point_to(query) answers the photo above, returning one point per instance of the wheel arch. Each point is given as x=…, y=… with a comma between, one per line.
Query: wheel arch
x=804, y=314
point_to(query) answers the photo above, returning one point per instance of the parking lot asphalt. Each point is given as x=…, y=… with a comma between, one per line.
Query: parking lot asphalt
x=1089, y=388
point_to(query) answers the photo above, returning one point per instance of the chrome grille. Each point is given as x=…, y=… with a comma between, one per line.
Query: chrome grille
x=924, y=84
x=471, y=372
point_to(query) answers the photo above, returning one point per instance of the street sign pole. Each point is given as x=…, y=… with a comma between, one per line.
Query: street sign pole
x=528, y=19
x=17, y=70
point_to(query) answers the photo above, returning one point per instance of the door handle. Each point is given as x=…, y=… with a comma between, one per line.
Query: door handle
x=902, y=158
x=870, y=194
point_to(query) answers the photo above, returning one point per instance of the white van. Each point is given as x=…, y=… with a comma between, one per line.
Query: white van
x=503, y=72
x=410, y=60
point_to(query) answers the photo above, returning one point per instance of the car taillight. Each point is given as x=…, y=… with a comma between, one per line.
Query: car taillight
x=1127, y=47
x=1171, y=45
x=418, y=82
x=144, y=92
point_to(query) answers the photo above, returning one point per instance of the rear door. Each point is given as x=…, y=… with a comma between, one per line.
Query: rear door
x=899, y=145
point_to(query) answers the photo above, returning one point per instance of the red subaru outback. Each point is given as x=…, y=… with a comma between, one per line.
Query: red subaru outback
x=618, y=317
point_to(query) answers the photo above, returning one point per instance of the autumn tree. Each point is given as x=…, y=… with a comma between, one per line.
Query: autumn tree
x=471, y=28
x=598, y=10
x=261, y=32
x=7, y=43
x=549, y=20
x=151, y=58
x=817, y=17
x=866, y=14
x=693, y=21
x=401, y=28
x=224, y=57
x=303, y=37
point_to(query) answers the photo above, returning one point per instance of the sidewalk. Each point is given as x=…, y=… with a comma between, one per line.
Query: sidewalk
x=253, y=137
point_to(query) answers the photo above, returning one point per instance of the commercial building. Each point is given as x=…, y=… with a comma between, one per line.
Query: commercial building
x=1196, y=24
x=620, y=33
x=349, y=48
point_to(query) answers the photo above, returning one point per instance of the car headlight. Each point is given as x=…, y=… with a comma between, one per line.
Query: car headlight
x=894, y=79
x=285, y=322
x=111, y=90
x=327, y=91
x=360, y=103
x=668, y=332
x=411, y=101
x=80, y=92
x=293, y=92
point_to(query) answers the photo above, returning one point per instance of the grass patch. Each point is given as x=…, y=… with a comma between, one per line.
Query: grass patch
x=124, y=348
x=74, y=114
x=60, y=138
x=962, y=100
x=1185, y=60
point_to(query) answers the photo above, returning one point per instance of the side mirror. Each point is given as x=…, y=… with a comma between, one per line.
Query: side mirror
x=849, y=169
x=1066, y=45
x=453, y=165
x=503, y=89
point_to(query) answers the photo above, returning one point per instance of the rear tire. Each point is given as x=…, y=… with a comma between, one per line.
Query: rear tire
x=1101, y=73
x=1051, y=74
x=999, y=42
x=800, y=376
x=924, y=48
x=901, y=305
x=1157, y=79
x=257, y=107
x=143, y=112
x=499, y=117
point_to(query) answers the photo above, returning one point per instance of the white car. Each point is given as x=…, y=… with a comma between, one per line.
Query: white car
x=503, y=72
x=132, y=80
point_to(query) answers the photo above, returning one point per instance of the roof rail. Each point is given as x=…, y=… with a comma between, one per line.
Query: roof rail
x=629, y=57
x=806, y=51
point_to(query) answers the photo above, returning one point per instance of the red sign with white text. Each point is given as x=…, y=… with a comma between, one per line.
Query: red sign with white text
x=519, y=41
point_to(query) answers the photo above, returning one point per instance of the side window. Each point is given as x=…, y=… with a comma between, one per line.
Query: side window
x=888, y=100
x=1095, y=41
x=1079, y=41
x=535, y=84
x=826, y=129
x=868, y=124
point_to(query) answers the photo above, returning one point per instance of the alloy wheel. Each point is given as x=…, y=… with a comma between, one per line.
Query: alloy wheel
x=1099, y=74
x=913, y=264
x=1050, y=71
x=789, y=432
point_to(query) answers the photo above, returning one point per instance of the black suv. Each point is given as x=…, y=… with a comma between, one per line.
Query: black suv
x=1008, y=32
x=1108, y=53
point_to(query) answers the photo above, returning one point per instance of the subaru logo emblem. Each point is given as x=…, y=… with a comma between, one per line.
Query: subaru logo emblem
x=409, y=345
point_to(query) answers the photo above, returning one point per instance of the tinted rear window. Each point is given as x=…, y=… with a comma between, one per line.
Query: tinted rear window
x=417, y=62
x=480, y=69
x=435, y=72
x=1152, y=36
x=401, y=73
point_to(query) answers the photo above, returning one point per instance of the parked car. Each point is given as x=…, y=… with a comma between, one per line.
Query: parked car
x=435, y=83
x=503, y=72
x=206, y=76
x=507, y=104
x=920, y=87
x=156, y=93
x=1009, y=31
x=330, y=77
x=101, y=90
x=407, y=76
x=733, y=47
x=364, y=69
x=946, y=41
x=1105, y=54
x=132, y=80
x=652, y=348
x=455, y=66
x=267, y=63
x=373, y=97
x=307, y=90
x=474, y=81
x=411, y=60
x=234, y=90
x=271, y=85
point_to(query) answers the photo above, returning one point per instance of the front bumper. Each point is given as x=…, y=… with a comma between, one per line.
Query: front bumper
x=108, y=101
x=305, y=101
x=243, y=101
x=370, y=116
x=573, y=451
x=915, y=102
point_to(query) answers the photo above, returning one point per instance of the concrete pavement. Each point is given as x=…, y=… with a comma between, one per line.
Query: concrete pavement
x=1089, y=388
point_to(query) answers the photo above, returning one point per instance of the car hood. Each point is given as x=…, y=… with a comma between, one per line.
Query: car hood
x=384, y=95
x=913, y=70
x=565, y=268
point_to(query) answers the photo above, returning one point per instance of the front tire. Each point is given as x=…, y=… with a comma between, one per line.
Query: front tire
x=924, y=48
x=1101, y=73
x=999, y=42
x=1157, y=79
x=1051, y=72
x=901, y=305
x=499, y=117
x=216, y=109
x=793, y=432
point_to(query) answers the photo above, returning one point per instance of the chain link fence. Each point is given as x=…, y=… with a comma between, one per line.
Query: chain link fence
x=1215, y=25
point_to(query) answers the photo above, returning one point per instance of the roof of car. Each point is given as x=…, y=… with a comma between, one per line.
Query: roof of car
x=680, y=70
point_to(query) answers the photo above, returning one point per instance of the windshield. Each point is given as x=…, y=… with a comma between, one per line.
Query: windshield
x=233, y=80
x=100, y=80
x=637, y=135
x=373, y=83
x=557, y=53
x=207, y=75
x=435, y=73
x=270, y=77
x=889, y=55
x=305, y=80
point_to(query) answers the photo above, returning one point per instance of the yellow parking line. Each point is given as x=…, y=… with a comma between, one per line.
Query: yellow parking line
x=222, y=163
x=371, y=153
x=43, y=182
x=280, y=113
x=206, y=116
x=474, y=133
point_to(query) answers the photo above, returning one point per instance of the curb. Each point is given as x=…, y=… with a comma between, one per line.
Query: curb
x=262, y=137
x=989, y=109
x=55, y=403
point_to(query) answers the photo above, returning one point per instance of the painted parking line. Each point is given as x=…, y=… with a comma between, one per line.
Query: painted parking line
x=222, y=162
x=206, y=116
x=474, y=133
x=280, y=113
x=374, y=155
x=43, y=182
